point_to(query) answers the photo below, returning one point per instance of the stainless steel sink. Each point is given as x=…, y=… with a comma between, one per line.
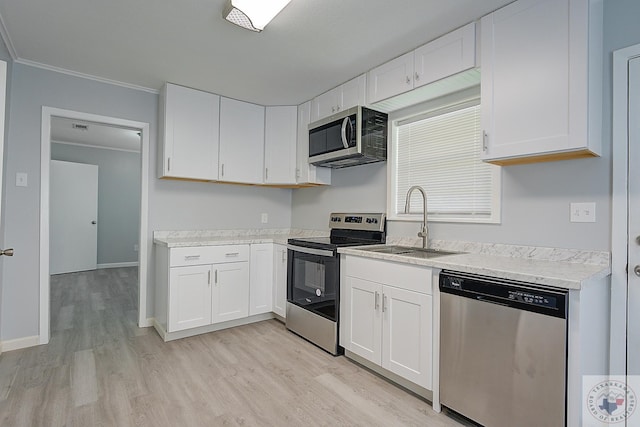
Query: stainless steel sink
x=410, y=251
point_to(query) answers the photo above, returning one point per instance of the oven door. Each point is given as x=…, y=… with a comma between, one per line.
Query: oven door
x=313, y=280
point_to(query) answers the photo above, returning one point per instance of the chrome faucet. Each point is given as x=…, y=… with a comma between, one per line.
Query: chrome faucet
x=423, y=230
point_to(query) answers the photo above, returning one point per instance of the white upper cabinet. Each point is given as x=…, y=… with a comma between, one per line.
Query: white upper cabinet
x=241, y=142
x=541, y=81
x=446, y=56
x=306, y=173
x=343, y=97
x=189, y=124
x=391, y=78
x=280, y=145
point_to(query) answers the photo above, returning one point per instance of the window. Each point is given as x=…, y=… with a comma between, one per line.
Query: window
x=440, y=151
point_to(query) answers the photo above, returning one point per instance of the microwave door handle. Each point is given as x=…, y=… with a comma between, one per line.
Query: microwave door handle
x=346, y=122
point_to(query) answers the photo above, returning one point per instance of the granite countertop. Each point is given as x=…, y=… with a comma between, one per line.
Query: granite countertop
x=177, y=239
x=565, y=274
x=561, y=268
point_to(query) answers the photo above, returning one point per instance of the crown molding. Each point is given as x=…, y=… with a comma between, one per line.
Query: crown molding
x=7, y=40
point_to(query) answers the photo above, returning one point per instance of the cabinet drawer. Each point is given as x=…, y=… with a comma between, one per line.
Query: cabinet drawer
x=404, y=276
x=195, y=255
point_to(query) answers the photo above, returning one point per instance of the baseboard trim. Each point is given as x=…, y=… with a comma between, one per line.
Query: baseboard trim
x=118, y=265
x=19, y=343
x=149, y=321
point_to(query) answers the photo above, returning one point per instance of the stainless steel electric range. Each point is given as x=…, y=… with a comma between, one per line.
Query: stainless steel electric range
x=313, y=276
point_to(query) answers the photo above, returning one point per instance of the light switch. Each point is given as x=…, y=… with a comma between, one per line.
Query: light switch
x=21, y=179
x=583, y=212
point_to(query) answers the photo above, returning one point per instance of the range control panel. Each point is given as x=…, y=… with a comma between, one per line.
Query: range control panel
x=367, y=221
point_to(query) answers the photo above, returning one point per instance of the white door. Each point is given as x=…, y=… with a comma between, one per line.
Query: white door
x=189, y=297
x=406, y=334
x=633, y=281
x=363, y=317
x=261, y=279
x=74, y=216
x=230, y=298
x=280, y=280
x=3, y=81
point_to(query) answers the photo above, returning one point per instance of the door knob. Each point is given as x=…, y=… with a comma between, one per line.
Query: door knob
x=93, y=222
x=636, y=270
x=6, y=252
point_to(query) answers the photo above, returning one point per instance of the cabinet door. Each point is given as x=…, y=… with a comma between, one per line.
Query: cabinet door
x=407, y=335
x=280, y=280
x=189, y=297
x=445, y=56
x=326, y=104
x=241, y=141
x=189, y=130
x=534, y=78
x=364, y=322
x=392, y=78
x=306, y=173
x=354, y=92
x=261, y=280
x=230, y=296
x=280, y=145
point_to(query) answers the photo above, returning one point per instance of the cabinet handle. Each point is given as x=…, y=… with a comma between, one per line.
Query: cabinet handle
x=266, y=174
x=230, y=254
x=297, y=172
x=191, y=257
x=333, y=109
x=377, y=304
x=408, y=80
x=337, y=108
x=222, y=171
x=169, y=164
x=384, y=303
x=216, y=277
x=417, y=76
x=209, y=277
x=284, y=256
x=485, y=138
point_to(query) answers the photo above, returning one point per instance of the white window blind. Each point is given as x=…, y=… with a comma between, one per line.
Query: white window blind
x=440, y=152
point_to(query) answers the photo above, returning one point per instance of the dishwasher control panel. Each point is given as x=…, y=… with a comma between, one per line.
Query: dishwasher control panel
x=531, y=298
x=518, y=295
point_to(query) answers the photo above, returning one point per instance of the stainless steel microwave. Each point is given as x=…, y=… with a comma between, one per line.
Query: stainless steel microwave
x=352, y=137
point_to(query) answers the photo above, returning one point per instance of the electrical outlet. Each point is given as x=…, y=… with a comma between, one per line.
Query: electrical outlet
x=583, y=212
x=264, y=218
x=21, y=179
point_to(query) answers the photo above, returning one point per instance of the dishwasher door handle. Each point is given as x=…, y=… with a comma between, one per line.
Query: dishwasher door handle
x=483, y=299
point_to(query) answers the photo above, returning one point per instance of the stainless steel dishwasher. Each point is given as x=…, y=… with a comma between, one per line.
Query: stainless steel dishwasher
x=503, y=351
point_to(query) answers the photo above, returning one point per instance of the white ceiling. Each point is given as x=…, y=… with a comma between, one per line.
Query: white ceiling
x=96, y=135
x=310, y=47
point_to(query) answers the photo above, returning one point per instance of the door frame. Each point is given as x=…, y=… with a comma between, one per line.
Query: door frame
x=620, y=207
x=45, y=157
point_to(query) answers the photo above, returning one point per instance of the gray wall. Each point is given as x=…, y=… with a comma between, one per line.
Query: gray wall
x=535, y=198
x=172, y=204
x=118, y=198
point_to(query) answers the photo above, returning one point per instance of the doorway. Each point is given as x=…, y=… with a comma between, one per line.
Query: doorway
x=142, y=240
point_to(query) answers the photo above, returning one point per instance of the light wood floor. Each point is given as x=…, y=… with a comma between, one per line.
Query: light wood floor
x=99, y=369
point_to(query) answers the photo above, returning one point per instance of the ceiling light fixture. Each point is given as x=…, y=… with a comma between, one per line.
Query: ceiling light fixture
x=253, y=15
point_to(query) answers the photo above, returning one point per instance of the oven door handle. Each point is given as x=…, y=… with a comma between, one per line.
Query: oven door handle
x=311, y=251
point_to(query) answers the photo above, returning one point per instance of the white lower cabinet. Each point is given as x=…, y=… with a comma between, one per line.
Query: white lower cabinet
x=261, y=289
x=386, y=316
x=206, y=288
x=230, y=294
x=280, y=280
x=189, y=297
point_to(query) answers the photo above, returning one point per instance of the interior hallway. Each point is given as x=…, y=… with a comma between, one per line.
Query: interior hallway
x=101, y=369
